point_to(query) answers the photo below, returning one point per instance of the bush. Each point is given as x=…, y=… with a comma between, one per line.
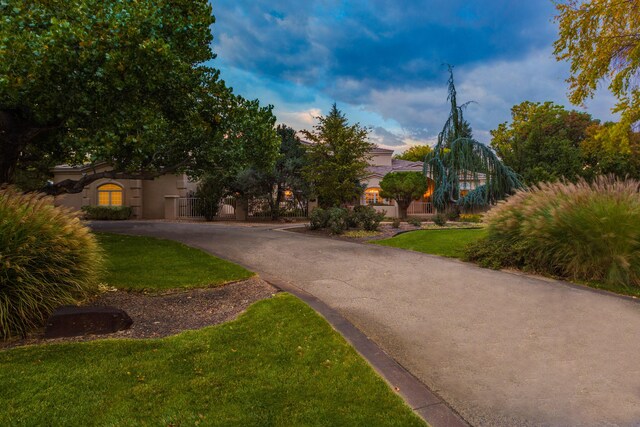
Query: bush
x=210, y=190
x=395, y=223
x=47, y=259
x=337, y=220
x=318, y=219
x=475, y=218
x=366, y=217
x=107, y=212
x=440, y=219
x=415, y=222
x=453, y=214
x=579, y=231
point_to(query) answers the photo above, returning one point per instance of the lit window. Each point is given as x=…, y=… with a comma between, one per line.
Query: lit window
x=110, y=195
x=372, y=196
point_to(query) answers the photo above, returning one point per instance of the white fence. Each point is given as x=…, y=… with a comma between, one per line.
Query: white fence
x=421, y=208
x=193, y=208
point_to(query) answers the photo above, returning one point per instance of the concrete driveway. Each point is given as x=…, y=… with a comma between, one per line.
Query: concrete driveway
x=500, y=348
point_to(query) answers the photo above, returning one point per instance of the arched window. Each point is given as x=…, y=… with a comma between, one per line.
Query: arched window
x=372, y=197
x=109, y=195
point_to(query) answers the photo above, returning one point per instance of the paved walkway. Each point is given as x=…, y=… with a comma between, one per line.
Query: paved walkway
x=501, y=349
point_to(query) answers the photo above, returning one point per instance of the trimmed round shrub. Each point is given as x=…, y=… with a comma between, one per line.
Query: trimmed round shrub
x=584, y=231
x=366, y=217
x=318, y=219
x=47, y=259
x=337, y=220
x=415, y=222
x=395, y=223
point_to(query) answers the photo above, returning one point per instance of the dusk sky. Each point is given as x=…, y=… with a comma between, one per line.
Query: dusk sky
x=382, y=61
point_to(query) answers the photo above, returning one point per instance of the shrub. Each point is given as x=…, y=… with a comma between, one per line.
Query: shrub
x=415, y=222
x=453, y=214
x=366, y=217
x=475, y=218
x=337, y=220
x=47, y=259
x=107, y=212
x=580, y=231
x=439, y=219
x=395, y=223
x=318, y=219
x=210, y=190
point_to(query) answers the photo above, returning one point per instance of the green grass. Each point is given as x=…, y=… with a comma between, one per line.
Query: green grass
x=449, y=243
x=146, y=263
x=279, y=364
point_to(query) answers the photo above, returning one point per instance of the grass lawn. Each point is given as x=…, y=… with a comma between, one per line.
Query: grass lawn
x=279, y=364
x=449, y=243
x=146, y=263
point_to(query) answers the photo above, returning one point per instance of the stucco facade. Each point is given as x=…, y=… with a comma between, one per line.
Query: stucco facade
x=147, y=198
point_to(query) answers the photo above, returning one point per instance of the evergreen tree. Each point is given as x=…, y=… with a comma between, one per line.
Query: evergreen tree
x=459, y=158
x=338, y=159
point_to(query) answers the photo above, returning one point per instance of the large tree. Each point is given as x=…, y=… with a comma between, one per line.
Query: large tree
x=338, y=156
x=601, y=40
x=458, y=158
x=83, y=81
x=542, y=141
x=403, y=187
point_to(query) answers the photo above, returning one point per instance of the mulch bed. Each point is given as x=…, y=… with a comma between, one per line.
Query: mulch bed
x=161, y=315
x=386, y=231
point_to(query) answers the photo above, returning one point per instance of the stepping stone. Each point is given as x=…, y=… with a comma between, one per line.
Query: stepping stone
x=71, y=321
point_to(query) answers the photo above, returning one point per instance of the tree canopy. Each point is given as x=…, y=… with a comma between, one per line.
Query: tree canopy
x=458, y=159
x=542, y=141
x=601, y=40
x=338, y=156
x=416, y=153
x=403, y=187
x=83, y=81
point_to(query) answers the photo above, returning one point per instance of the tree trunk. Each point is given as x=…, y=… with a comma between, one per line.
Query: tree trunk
x=17, y=131
x=402, y=209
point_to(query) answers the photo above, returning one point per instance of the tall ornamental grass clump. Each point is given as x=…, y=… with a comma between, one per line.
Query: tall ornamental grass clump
x=47, y=259
x=584, y=231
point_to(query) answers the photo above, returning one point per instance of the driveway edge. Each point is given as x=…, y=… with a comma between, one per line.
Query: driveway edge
x=424, y=402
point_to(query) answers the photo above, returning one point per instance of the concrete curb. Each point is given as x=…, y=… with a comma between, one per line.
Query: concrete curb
x=424, y=402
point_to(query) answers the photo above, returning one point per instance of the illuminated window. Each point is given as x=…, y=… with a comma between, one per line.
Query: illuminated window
x=372, y=196
x=110, y=195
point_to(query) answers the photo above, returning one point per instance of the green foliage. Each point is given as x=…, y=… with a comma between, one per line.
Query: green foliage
x=121, y=82
x=475, y=218
x=210, y=191
x=495, y=254
x=132, y=264
x=440, y=219
x=107, y=212
x=458, y=158
x=415, y=222
x=611, y=149
x=337, y=220
x=542, y=142
x=280, y=356
x=416, y=153
x=337, y=159
x=395, y=223
x=600, y=40
x=579, y=231
x=366, y=217
x=47, y=259
x=403, y=187
x=318, y=219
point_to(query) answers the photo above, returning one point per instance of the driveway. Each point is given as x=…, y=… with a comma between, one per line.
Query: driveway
x=500, y=348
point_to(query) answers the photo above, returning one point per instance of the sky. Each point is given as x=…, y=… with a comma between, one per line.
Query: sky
x=383, y=62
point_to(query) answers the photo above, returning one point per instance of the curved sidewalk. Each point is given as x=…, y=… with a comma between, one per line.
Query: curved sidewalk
x=500, y=348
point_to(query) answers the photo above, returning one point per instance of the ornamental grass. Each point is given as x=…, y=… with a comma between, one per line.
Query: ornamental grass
x=48, y=258
x=583, y=231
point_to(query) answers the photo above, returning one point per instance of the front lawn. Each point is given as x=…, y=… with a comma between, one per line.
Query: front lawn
x=446, y=242
x=147, y=263
x=279, y=364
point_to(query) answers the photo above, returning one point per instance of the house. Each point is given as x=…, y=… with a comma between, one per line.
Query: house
x=148, y=199
x=381, y=163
